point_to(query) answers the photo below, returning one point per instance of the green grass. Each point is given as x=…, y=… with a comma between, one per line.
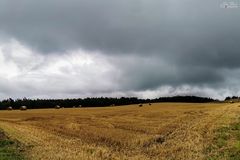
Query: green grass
x=9, y=150
x=226, y=144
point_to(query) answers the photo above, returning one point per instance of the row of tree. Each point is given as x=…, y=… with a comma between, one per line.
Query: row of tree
x=231, y=98
x=94, y=102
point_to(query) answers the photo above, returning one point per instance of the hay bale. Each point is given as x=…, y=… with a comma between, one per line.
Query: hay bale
x=57, y=107
x=150, y=104
x=140, y=105
x=9, y=108
x=23, y=108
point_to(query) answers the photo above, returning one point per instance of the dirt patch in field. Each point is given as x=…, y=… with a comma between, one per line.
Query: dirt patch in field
x=2, y=136
x=37, y=119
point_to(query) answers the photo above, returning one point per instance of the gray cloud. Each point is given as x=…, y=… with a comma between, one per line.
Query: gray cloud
x=147, y=43
x=161, y=27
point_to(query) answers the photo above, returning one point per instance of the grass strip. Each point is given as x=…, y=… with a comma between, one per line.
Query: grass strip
x=9, y=149
x=226, y=144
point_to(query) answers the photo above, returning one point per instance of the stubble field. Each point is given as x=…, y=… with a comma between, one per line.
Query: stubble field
x=160, y=131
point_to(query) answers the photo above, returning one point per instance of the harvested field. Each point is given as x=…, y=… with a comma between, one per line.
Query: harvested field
x=160, y=131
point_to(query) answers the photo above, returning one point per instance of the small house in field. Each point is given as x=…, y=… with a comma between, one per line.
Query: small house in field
x=80, y=106
x=57, y=107
x=9, y=108
x=23, y=108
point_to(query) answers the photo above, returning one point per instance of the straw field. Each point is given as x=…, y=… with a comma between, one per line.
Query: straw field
x=160, y=131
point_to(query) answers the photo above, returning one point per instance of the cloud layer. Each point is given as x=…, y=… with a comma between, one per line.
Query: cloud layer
x=145, y=48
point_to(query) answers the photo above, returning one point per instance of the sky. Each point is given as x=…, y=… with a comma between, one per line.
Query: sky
x=114, y=48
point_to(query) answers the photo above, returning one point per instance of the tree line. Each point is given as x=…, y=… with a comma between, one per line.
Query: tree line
x=231, y=98
x=94, y=102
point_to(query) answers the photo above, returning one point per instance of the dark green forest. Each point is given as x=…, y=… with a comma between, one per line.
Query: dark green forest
x=94, y=102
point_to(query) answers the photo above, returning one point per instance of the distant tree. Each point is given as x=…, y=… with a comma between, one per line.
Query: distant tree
x=227, y=98
x=234, y=97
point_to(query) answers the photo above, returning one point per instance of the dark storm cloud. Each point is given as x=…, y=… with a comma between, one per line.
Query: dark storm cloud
x=152, y=42
x=113, y=26
x=144, y=73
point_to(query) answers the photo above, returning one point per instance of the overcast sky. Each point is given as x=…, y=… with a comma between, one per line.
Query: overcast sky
x=143, y=48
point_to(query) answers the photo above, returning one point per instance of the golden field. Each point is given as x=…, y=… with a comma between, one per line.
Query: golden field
x=159, y=132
